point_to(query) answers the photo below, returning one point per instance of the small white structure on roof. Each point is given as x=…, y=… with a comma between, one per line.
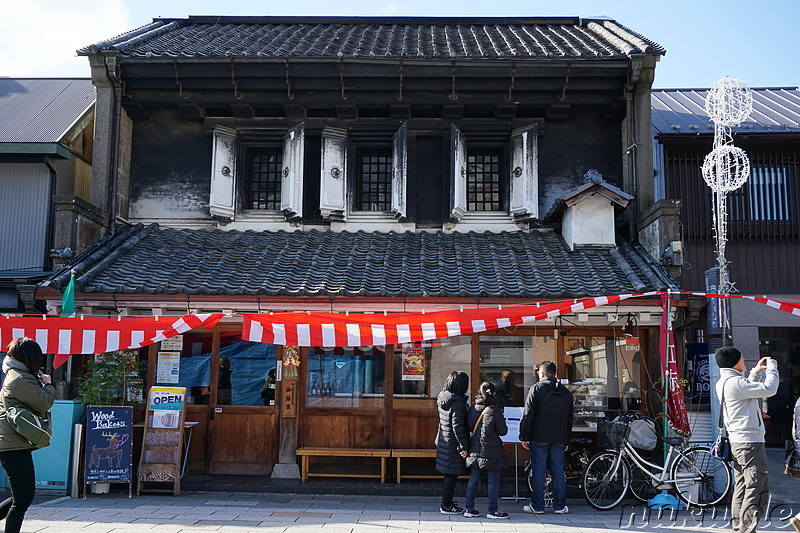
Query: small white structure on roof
x=588, y=211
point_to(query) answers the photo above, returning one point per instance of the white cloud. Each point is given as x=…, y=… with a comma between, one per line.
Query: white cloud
x=40, y=37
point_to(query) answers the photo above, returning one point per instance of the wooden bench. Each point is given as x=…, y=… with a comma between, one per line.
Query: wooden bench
x=413, y=454
x=352, y=470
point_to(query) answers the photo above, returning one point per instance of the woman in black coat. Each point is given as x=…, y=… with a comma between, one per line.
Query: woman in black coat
x=452, y=440
x=486, y=449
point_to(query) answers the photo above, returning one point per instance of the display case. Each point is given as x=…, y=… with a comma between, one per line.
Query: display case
x=590, y=401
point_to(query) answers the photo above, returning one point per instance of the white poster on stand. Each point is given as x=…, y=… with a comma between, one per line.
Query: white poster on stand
x=513, y=417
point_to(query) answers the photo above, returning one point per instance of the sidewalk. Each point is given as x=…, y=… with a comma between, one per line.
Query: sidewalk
x=241, y=513
x=235, y=512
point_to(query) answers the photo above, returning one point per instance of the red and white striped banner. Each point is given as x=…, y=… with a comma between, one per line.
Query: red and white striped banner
x=64, y=336
x=343, y=329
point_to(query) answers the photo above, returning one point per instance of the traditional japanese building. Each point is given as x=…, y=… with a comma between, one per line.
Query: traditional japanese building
x=270, y=164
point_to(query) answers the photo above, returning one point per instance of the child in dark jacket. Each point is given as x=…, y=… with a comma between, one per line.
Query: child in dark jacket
x=486, y=420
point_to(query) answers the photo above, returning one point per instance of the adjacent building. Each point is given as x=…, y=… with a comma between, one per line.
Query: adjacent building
x=763, y=244
x=46, y=136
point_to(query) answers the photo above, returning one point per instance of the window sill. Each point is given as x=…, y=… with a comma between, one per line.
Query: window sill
x=479, y=220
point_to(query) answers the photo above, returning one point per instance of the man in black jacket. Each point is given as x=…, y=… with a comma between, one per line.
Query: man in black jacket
x=545, y=431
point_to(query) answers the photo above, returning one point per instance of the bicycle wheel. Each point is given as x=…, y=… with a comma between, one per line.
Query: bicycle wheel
x=548, y=487
x=601, y=489
x=707, y=479
x=641, y=487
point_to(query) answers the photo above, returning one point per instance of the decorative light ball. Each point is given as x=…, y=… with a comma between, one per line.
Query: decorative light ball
x=726, y=168
x=729, y=102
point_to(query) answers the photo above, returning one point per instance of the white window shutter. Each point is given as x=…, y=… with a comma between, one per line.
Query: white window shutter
x=399, y=171
x=524, y=178
x=458, y=174
x=223, y=174
x=333, y=176
x=292, y=177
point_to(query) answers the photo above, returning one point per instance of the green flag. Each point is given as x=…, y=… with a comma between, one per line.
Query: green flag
x=68, y=298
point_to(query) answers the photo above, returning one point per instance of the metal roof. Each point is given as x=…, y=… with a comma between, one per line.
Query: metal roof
x=42, y=109
x=546, y=38
x=775, y=110
x=537, y=264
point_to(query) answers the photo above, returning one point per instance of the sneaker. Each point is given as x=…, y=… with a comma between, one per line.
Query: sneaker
x=471, y=513
x=565, y=510
x=451, y=510
x=529, y=509
x=497, y=515
x=795, y=521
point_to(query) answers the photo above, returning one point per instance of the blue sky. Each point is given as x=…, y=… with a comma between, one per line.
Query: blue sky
x=756, y=41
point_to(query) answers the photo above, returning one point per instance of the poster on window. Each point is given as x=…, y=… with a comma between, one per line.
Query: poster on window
x=168, y=368
x=414, y=364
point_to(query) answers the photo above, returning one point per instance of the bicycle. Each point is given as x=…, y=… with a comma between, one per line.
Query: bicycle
x=575, y=460
x=699, y=478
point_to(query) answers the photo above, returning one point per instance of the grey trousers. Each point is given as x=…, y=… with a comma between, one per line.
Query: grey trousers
x=750, y=492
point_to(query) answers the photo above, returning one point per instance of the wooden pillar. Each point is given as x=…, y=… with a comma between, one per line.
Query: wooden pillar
x=388, y=396
x=289, y=399
x=475, y=367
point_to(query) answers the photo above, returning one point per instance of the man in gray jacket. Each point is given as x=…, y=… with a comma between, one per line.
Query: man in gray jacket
x=742, y=417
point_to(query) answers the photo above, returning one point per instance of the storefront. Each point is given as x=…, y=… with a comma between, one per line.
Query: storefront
x=385, y=396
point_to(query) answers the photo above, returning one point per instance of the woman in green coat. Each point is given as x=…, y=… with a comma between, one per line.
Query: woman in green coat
x=23, y=384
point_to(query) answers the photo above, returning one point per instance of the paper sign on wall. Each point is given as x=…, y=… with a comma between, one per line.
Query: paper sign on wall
x=168, y=367
x=413, y=364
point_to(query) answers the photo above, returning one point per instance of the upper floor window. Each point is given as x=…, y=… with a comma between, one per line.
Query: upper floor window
x=485, y=181
x=373, y=180
x=363, y=172
x=481, y=180
x=263, y=177
x=765, y=196
x=270, y=175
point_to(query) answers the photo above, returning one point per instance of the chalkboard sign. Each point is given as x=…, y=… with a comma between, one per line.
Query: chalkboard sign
x=109, y=440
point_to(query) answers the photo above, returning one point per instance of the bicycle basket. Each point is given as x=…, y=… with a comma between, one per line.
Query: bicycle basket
x=612, y=435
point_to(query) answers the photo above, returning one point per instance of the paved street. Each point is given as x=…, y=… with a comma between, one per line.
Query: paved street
x=240, y=513
x=223, y=512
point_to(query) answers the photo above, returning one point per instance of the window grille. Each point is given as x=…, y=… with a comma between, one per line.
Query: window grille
x=264, y=178
x=484, y=186
x=765, y=196
x=374, y=180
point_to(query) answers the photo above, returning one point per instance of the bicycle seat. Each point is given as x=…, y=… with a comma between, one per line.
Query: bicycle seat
x=582, y=442
x=673, y=441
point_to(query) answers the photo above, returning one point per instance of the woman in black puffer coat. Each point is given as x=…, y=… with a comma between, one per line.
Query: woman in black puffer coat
x=486, y=450
x=452, y=440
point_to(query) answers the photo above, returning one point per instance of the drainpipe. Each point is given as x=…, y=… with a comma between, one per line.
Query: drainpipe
x=111, y=69
x=51, y=216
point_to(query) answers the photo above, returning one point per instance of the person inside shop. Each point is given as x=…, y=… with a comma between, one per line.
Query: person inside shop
x=486, y=452
x=631, y=397
x=268, y=390
x=741, y=412
x=224, y=381
x=24, y=385
x=509, y=394
x=545, y=431
x=452, y=439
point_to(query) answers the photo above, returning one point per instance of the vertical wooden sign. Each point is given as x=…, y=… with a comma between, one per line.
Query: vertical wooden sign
x=289, y=398
x=160, y=462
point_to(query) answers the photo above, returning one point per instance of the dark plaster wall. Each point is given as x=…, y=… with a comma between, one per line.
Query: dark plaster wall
x=171, y=165
x=170, y=168
x=569, y=149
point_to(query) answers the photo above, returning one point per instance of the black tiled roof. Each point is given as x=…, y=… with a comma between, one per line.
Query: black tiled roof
x=151, y=260
x=384, y=38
